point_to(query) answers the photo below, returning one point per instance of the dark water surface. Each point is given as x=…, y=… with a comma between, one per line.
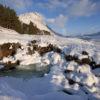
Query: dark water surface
x=27, y=72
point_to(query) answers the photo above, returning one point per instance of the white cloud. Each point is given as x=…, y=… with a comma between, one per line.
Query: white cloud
x=82, y=8
x=73, y=7
x=59, y=21
x=58, y=24
x=68, y=7
x=53, y=4
x=17, y=3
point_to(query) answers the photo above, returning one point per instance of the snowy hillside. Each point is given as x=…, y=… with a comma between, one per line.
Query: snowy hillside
x=74, y=67
x=36, y=18
x=94, y=36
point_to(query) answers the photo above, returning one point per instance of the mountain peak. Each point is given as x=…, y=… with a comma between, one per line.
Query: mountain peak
x=32, y=16
x=36, y=18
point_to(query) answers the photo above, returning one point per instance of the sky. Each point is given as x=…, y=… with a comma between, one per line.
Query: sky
x=66, y=17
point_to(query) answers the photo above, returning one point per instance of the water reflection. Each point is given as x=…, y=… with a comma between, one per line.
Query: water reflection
x=27, y=72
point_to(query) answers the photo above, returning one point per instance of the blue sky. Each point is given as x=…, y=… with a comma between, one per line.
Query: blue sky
x=67, y=17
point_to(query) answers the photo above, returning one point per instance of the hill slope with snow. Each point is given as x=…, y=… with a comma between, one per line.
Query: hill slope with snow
x=36, y=19
x=93, y=36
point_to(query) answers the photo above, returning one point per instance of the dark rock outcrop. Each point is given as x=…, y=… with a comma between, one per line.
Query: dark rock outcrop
x=8, y=49
x=43, y=50
x=71, y=82
x=96, y=66
x=84, y=53
x=10, y=66
x=30, y=51
x=89, y=60
x=85, y=61
x=71, y=58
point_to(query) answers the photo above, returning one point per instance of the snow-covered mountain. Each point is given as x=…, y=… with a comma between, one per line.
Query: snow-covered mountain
x=37, y=19
x=93, y=36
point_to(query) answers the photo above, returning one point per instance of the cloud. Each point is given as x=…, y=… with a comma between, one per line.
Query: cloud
x=20, y=6
x=17, y=3
x=59, y=21
x=83, y=8
x=66, y=7
x=53, y=4
x=94, y=28
x=73, y=7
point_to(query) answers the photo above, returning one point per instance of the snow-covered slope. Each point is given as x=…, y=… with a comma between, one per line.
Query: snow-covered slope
x=95, y=37
x=85, y=82
x=70, y=45
x=36, y=18
x=8, y=35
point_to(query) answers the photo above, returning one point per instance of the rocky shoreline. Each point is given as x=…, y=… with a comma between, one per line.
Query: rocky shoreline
x=10, y=50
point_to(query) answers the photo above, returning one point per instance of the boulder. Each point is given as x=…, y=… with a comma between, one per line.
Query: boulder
x=85, y=61
x=8, y=49
x=43, y=50
x=10, y=66
x=84, y=53
x=30, y=51
x=71, y=58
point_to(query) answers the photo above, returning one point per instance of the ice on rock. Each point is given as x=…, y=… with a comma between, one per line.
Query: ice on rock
x=72, y=66
x=97, y=57
x=90, y=77
x=90, y=80
x=57, y=79
x=56, y=58
x=83, y=56
x=31, y=59
x=83, y=75
x=84, y=69
x=45, y=60
x=7, y=59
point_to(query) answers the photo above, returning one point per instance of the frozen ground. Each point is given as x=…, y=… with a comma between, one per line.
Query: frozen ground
x=55, y=84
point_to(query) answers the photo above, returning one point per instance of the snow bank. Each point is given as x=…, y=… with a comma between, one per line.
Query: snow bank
x=79, y=82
